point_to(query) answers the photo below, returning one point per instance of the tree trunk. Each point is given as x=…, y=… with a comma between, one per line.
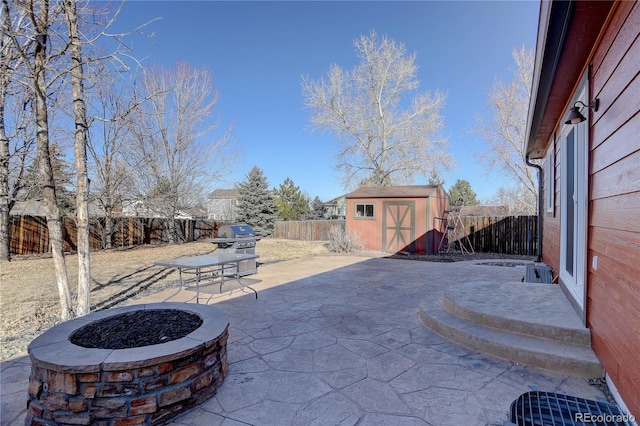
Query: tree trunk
x=80, y=148
x=172, y=230
x=54, y=221
x=5, y=237
x=108, y=229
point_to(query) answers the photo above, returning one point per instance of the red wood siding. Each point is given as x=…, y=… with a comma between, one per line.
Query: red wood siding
x=426, y=238
x=370, y=230
x=613, y=288
x=613, y=305
x=551, y=221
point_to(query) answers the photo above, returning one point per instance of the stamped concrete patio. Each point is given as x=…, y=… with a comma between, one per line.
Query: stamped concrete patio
x=338, y=341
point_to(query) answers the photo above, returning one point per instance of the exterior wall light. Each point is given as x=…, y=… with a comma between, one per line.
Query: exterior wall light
x=575, y=116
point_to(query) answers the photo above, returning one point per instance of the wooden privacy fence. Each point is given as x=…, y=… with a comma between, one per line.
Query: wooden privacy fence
x=517, y=235
x=29, y=234
x=306, y=230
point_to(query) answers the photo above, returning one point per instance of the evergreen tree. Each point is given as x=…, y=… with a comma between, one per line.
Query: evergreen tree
x=461, y=194
x=255, y=204
x=62, y=175
x=317, y=209
x=435, y=178
x=291, y=202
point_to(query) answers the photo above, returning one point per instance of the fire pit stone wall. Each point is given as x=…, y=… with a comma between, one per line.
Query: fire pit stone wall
x=146, y=385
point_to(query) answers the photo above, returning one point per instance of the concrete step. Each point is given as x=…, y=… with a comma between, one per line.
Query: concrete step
x=579, y=361
x=539, y=310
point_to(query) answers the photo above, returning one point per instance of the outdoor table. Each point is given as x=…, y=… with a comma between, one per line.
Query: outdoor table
x=212, y=265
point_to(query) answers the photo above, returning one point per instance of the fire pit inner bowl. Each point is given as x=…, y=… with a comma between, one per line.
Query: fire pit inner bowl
x=143, y=364
x=136, y=329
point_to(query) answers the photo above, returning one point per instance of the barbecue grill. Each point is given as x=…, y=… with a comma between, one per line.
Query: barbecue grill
x=238, y=239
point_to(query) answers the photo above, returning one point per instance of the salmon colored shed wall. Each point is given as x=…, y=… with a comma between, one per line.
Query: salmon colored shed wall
x=438, y=207
x=370, y=230
x=613, y=287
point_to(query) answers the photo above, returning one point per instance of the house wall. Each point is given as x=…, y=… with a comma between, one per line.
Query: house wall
x=613, y=287
x=336, y=210
x=551, y=220
x=222, y=209
x=370, y=230
x=613, y=311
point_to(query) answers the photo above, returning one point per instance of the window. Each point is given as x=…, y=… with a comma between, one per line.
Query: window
x=365, y=210
x=549, y=177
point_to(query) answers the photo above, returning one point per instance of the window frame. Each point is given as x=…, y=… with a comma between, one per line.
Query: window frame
x=364, y=216
x=574, y=244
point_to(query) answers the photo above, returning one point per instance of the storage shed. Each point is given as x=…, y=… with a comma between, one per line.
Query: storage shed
x=398, y=218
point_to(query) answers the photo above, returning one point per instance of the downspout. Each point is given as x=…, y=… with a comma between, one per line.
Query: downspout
x=540, y=210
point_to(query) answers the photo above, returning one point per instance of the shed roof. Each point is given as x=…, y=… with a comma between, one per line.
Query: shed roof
x=407, y=191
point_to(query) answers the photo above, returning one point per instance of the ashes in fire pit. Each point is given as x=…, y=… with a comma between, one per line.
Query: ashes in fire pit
x=136, y=329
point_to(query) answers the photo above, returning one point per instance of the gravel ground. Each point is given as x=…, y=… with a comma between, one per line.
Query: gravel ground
x=459, y=257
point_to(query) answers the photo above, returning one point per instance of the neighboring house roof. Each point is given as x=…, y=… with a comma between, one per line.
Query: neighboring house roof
x=225, y=193
x=406, y=191
x=485, y=211
x=29, y=208
x=334, y=201
x=193, y=212
x=566, y=34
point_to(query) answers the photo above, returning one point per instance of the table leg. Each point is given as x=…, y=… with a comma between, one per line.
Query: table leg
x=197, y=285
x=240, y=282
x=221, y=277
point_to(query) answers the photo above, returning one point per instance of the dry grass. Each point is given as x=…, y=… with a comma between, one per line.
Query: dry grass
x=29, y=296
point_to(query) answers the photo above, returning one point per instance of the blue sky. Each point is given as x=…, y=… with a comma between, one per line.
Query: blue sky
x=258, y=52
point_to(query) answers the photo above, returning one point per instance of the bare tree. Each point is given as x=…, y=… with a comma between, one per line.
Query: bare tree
x=389, y=132
x=174, y=153
x=111, y=180
x=37, y=62
x=516, y=198
x=504, y=127
x=52, y=40
x=80, y=150
x=78, y=61
x=15, y=142
x=5, y=199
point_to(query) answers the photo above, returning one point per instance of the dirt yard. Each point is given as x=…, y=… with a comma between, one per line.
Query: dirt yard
x=29, y=296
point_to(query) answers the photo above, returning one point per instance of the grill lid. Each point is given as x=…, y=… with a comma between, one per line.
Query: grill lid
x=236, y=231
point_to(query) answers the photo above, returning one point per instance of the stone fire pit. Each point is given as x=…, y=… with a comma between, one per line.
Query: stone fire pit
x=141, y=364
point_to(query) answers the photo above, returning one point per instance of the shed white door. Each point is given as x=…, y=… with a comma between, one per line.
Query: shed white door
x=398, y=226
